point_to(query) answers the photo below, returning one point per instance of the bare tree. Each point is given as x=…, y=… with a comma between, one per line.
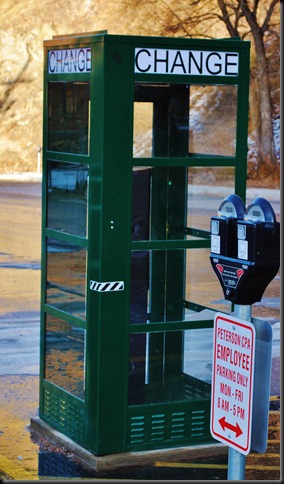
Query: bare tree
x=247, y=19
x=253, y=19
x=259, y=25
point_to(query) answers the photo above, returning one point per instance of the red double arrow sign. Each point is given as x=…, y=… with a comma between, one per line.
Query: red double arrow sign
x=235, y=428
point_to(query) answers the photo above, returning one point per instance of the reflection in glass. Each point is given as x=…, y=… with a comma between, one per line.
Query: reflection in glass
x=201, y=205
x=66, y=277
x=157, y=294
x=159, y=203
x=67, y=197
x=213, y=120
x=198, y=351
x=184, y=120
x=168, y=202
x=68, y=117
x=143, y=132
x=202, y=286
x=163, y=369
x=64, y=355
x=222, y=176
x=163, y=280
x=161, y=125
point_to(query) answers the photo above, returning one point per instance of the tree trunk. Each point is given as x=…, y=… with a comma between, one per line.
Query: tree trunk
x=266, y=142
x=261, y=114
x=254, y=110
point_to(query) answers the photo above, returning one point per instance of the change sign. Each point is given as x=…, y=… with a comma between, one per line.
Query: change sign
x=232, y=382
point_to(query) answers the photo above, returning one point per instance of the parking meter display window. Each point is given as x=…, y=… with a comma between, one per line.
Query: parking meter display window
x=66, y=277
x=65, y=355
x=201, y=117
x=67, y=197
x=68, y=117
x=168, y=366
x=260, y=210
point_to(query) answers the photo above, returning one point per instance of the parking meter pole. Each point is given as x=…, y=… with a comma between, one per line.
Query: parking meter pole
x=236, y=460
x=245, y=255
x=236, y=465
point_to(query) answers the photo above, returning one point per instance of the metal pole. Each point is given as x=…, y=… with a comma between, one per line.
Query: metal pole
x=236, y=460
x=38, y=158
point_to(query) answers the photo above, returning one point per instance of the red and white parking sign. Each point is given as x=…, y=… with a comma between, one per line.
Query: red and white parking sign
x=232, y=381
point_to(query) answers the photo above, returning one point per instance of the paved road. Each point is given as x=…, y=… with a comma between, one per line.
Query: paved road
x=22, y=458
x=20, y=229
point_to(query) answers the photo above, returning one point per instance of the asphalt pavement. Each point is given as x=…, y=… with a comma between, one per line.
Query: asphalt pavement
x=28, y=455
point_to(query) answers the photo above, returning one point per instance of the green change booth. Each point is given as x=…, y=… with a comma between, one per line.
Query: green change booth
x=134, y=130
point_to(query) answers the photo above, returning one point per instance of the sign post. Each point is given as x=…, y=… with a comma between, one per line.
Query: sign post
x=232, y=386
x=245, y=262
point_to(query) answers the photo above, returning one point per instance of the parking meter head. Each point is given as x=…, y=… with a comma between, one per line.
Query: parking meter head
x=260, y=210
x=224, y=226
x=259, y=235
x=252, y=258
x=232, y=207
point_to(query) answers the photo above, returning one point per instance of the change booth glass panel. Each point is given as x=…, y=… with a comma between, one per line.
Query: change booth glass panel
x=184, y=120
x=199, y=288
x=163, y=280
x=65, y=355
x=68, y=117
x=169, y=366
x=168, y=204
x=67, y=207
x=159, y=203
x=157, y=286
x=67, y=197
x=66, y=277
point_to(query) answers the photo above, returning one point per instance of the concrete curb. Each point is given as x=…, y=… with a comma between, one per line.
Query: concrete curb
x=270, y=194
x=21, y=176
x=125, y=459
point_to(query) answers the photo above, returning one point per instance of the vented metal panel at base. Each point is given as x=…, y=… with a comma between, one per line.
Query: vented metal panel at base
x=63, y=415
x=158, y=427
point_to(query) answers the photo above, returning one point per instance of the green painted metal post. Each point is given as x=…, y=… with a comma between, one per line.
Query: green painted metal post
x=125, y=122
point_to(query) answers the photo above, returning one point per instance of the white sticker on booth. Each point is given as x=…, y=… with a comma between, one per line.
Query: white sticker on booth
x=69, y=61
x=186, y=62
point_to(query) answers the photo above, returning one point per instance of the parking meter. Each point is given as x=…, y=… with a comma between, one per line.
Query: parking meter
x=224, y=226
x=247, y=265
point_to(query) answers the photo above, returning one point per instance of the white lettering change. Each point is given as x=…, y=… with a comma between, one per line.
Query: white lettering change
x=186, y=62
